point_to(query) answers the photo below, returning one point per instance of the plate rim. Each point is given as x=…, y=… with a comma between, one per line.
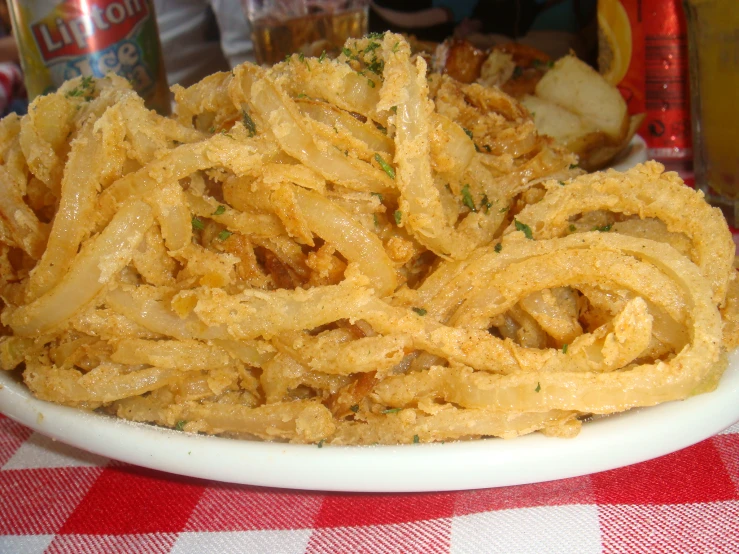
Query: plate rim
x=624, y=439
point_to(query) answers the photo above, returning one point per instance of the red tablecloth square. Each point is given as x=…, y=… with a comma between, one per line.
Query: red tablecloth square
x=346, y=510
x=671, y=479
x=132, y=500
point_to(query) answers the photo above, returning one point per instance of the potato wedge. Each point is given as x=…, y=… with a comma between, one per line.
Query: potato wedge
x=576, y=86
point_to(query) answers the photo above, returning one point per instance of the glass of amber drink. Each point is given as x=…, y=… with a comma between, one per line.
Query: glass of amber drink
x=308, y=27
x=713, y=43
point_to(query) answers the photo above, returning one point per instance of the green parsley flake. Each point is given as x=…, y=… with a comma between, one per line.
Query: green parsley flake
x=377, y=221
x=354, y=408
x=387, y=168
x=212, y=130
x=525, y=228
x=391, y=411
x=538, y=387
x=420, y=311
x=220, y=210
x=197, y=224
x=572, y=228
x=249, y=124
x=562, y=183
x=376, y=36
x=379, y=195
x=485, y=203
x=498, y=247
x=288, y=58
x=416, y=440
x=394, y=109
x=505, y=209
x=180, y=425
x=380, y=128
x=346, y=52
x=468, y=133
x=574, y=166
x=320, y=443
x=398, y=215
x=302, y=95
x=223, y=235
x=371, y=46
x=322, y=57
x=564, y=348
x=467, y=198
x=395, y=47
x=603, y=229
x=371, y=83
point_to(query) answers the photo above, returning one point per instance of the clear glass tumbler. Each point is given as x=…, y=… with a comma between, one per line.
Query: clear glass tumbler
x=713, y=43
x=284, y=27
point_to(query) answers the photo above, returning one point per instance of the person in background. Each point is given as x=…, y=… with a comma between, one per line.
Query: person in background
x=12, y=92
x=200, y=37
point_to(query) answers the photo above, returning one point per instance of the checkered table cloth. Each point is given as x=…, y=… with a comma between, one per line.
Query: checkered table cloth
x=55, y=498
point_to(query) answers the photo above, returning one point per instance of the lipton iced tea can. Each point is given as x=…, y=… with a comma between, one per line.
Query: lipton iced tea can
x=63, y=39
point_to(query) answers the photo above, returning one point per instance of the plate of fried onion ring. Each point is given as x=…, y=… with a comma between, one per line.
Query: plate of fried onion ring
x=348, y=274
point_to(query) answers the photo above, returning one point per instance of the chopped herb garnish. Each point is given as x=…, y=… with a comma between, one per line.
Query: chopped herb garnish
x=320, y=443
x=564, y=348
x=574, y=166
x=504, y=209
x=420, y=311
x=288, y=58
x=376, y=66
x=562, y=183
x=180, y=425
x=487, y=148
x=302, y=95
x=395, y=47
x=346, y=52
x=538, y=387
x=572, y=228
x=371, y=46
x=249, y=124
x=376, y=36
x=467, y=198
x=371, y=83
x=225, y=134
x=603, y=229
x=220, y=210
x=498, y=248
x=468, y=133
x=416, y=440
x=380, y=128
x=354, y=408
x=212, y=130
x=197, y=224
x=223, y=235
x=485, y=203
x=398, y=215
x=523, y=227
x=377, y=221
x=385, y=166
x=322, y=57
x=391, y=411
x=379, y=196
x=394, y=109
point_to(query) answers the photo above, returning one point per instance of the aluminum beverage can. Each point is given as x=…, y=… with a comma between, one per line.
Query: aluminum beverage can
x=62, y=39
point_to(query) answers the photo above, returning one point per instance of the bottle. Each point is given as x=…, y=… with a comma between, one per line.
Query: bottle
x=62, y=39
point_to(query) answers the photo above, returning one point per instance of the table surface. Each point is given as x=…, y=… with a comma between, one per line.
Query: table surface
x=55, y=498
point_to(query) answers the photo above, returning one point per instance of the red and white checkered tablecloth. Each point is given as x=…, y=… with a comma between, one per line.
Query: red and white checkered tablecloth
x=54, y=498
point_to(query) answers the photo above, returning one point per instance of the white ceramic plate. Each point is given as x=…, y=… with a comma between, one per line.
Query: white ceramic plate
x=608, y=443
x=633, y=154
